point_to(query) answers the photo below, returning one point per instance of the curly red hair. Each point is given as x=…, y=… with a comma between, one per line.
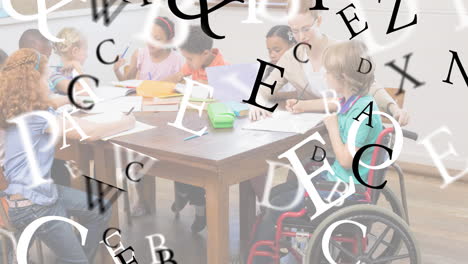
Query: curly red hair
x=21, y=90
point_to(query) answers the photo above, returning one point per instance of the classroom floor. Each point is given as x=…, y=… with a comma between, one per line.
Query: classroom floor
x=438, y=218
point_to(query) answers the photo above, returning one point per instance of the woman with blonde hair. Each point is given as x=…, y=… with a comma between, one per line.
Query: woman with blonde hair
x=24, y=90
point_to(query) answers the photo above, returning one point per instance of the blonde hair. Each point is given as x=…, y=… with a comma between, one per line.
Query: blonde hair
x=20, y=89
x=71, y=38
x=304, y=7
x=343, y=60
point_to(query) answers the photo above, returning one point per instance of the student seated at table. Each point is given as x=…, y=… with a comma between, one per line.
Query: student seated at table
x=308, y=78
x=33, y=39
x=153, y=62
x=24, y=89
x=341, y=61
x=199, y=54
x=279, y=39
x=3, y=58
x=73, y=52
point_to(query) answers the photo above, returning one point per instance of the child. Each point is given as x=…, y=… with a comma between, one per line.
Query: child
x=199, y=54
x=278, y=40
x=152, y=62
x=33, y=39
x=341, y=61
x=24, y=88
x=3, y=58
x=73, y=52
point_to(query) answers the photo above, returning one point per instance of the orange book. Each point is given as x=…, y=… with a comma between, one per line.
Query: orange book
x=156, y=89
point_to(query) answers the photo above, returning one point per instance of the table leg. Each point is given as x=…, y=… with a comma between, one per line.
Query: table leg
x=104, y=170
x=217, y=209
x=246, y=215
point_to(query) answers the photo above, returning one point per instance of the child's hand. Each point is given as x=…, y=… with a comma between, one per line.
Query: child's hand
x=401, y=115
x=295, y=106
x=331, y=121
x=70, y=66
x=256, y=113
x=119, y=64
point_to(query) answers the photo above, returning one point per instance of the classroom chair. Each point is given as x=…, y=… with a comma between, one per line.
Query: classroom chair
x=5, y=224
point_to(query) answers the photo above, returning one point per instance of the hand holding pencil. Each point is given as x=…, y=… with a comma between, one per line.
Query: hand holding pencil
x=119, y=64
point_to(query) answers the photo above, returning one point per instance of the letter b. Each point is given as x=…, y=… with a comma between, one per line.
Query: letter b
x=168, y=260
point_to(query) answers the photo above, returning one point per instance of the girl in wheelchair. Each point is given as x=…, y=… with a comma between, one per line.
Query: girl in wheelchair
x=341, y=62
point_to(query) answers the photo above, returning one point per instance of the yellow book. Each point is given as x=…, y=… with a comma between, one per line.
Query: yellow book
x=157, y=89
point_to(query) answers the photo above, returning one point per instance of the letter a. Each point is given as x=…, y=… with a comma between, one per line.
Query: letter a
x=367, y=114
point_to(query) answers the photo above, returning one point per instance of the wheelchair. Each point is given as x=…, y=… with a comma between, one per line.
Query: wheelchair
x=387, y=238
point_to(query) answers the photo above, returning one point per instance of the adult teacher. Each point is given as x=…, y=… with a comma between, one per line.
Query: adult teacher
x=303, y=69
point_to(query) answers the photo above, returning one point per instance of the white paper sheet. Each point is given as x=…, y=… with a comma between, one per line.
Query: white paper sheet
x=128, y=83
x=121, y=104
x=198, y=91
x=110, y=92
x=107, y=117
x=282, y=121
x=139, y=127
x=161, y=108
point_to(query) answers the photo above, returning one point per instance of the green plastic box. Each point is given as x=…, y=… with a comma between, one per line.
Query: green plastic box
x=221, y=116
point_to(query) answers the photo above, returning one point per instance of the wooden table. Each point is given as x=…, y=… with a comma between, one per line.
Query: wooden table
x=214, y=162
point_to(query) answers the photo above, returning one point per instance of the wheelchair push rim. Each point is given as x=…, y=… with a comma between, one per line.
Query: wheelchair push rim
x=349, y=246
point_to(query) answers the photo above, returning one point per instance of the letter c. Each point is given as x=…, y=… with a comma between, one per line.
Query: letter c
x=105, y=237
x=98, y=53
x=128, y=169
x=357, y=158
x=295, y=51
x=71, y=86
x=23, y=243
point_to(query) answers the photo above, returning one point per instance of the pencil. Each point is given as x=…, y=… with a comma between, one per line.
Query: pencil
x=125, y=51
x=194, y=136
x=302, y=94
x=130, y=111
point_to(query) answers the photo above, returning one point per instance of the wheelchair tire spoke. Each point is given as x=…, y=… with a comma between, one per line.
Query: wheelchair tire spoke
x=390, y=259
x=343, y=250
x=383, y=242
x=378, y=241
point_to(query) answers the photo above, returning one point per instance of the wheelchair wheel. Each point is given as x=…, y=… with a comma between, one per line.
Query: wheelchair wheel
x=391, y=202
x=348, y=245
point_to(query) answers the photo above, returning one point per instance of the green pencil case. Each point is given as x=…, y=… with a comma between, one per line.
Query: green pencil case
x=221, y=116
